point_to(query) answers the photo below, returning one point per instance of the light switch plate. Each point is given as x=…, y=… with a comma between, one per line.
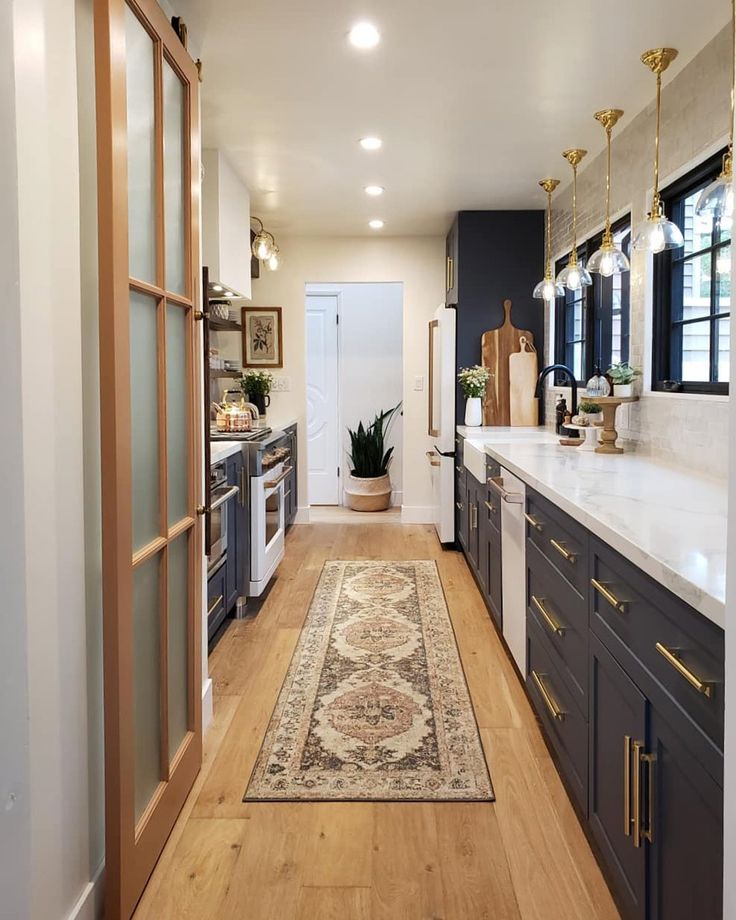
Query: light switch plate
x=281, y=384
x=419, y=382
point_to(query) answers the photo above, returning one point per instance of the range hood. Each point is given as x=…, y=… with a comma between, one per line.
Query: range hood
x=225, y=228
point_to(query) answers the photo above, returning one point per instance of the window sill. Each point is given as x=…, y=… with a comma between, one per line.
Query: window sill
x=693, y=397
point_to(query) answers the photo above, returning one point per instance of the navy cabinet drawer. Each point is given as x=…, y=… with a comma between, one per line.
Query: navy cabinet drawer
x=562, y=540
x=563, y=620
x=637, y=617
x=565, y=725
x=216, y=599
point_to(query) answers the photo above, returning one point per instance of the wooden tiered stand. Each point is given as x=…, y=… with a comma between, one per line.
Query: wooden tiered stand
x=608, y=434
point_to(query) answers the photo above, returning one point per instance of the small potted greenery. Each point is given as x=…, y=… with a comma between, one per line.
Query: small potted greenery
x=368, y=487
x=589, y=412
x=256, y=385
x=622, y=375
x=473, y=381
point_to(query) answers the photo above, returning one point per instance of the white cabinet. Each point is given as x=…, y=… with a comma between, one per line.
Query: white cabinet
x=225, y=224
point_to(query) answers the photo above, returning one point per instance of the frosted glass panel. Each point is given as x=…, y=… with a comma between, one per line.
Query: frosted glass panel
x=174, y=99
x=141, y=150
x=146, y=680
x=176, y=399
x=144, y=418
x=178, y=641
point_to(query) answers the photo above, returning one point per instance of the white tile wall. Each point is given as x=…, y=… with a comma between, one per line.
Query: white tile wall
x=695, y=105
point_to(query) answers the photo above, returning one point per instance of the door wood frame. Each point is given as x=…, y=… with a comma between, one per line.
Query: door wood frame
x=131, y=849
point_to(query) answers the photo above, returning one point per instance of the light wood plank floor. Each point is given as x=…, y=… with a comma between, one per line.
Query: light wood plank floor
x=525, y=856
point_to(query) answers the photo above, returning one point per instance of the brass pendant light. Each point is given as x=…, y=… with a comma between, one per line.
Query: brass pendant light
x=716, y=200
x=608, y=260
x=574, y=276
x=548, y=288
x=656, y=233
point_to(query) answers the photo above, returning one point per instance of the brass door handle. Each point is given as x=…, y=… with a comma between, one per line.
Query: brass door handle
x=608, y=595
x=549, y=701
x=490, y=507
x=433, y=458
x=627, y=785
x=214, y=605
x=272, y=483
x=672, y=657
x=563, y=551
x=537, y=525
x=547, y=616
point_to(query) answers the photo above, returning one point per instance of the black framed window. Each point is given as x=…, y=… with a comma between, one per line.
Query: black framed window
x=692, y=293
x=592, y=325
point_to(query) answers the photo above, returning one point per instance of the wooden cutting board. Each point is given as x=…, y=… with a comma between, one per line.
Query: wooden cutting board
x=523, y=370
x=497, y=346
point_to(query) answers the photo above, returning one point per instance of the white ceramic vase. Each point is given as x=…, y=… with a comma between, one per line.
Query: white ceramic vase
x=623, y=390
x=473, y=412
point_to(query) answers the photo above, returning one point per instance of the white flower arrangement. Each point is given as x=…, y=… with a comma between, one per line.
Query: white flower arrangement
x=473, y=380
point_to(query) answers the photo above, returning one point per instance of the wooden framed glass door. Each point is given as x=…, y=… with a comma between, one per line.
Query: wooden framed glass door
x=148, y=187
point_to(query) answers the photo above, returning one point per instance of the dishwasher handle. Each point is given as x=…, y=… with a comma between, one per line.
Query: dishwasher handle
x=511, y=498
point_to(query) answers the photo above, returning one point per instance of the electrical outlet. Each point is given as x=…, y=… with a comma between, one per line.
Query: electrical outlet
x=419, y=382
x=281, y=384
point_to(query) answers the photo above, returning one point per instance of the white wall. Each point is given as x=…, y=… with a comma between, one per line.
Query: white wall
x=417, y=262
x=370, y=363
x=45, y=455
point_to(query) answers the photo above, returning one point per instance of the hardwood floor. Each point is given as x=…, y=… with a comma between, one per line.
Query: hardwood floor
x=525, y=856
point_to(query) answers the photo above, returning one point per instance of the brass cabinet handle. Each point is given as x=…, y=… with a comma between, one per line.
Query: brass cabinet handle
x=537, y=525
x=433, y=458
x=214, y=605
x=512, y=498
x=549, y=702
x=648, y=832
x=459, y=506
x=548, y=618
x=450, y=274
x=627, y=785
x=272, y=483
x=636, y=749
x=473, y=517
x=490, y=507
x=563, y=551
x=604, y=592
x=459, y=468
x=241, y=495
x=671, y=655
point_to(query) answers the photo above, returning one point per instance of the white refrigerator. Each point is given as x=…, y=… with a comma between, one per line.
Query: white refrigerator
x=441, y=421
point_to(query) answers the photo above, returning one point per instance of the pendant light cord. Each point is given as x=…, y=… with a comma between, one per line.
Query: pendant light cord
x=574, y=253
x=655, y=196
x=607, y=234
x=548, y=246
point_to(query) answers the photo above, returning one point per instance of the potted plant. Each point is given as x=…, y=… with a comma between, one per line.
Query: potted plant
x=369, y=485
x=622, y=375
x=589, y=412
x=256, y=385
x=473, y=381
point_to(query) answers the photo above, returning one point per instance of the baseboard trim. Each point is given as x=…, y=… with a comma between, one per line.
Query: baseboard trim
x=207, y=704
x=91, y=902
x=417, y=514
x=302, y=515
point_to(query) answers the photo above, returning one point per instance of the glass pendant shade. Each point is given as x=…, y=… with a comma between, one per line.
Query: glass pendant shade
x=717, y=198
x=274, y=260
x=574, y=276
x=262, y=247
x=656, y=233
x=607, y=261
x=548, y=290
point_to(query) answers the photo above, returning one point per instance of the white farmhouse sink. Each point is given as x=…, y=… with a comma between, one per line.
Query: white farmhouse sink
x=474, y=459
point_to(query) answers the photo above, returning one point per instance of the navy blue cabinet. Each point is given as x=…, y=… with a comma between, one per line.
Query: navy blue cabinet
x=291, y=496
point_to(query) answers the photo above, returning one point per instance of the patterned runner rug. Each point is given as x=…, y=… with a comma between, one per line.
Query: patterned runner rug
x=374, y=705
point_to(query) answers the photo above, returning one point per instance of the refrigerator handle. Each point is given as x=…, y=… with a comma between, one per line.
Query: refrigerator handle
x=433, y=330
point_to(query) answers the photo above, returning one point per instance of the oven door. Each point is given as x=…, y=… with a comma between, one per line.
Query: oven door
x=267, y=527
x=218, y=523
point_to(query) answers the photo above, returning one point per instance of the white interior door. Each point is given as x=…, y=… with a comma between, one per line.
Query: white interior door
x=322, y=399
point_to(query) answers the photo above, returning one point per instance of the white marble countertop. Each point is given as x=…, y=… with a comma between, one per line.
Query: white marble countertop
x=667, y=520
x=221, y=449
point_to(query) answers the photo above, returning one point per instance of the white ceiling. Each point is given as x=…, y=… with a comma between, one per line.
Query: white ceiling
x=474, y=99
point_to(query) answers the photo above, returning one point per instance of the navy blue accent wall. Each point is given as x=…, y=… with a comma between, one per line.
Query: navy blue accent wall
x=500, y=256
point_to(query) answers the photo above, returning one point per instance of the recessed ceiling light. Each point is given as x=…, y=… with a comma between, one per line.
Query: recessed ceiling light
x=364, y=35
x=375, y=224
x=374, y=190
x=371, y=143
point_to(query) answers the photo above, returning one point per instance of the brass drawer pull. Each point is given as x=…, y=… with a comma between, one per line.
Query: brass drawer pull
x=214, y=605
x=563, y=551
x=648, y=832
x=627, y=785
x=537, y=525
x=549, y=702
x=490, y=507
x=459, y=506
x=617, y=604
x=512, y=498
x=459, y=468
x=672, y=657
x=637, y=747
x=548, y=618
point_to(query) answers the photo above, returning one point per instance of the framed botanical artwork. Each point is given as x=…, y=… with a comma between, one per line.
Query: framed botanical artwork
x=262, y=337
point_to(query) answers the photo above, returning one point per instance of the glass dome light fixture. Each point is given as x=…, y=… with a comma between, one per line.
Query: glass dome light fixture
x=716, y=199
x=656, y=233
x=574, y=276
x=608, y=260
x=548, y=289
x=264, y=246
